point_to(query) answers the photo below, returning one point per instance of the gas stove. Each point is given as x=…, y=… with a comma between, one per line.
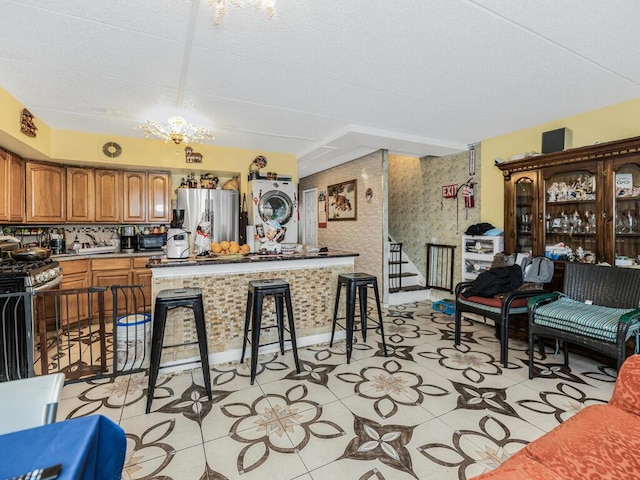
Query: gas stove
x=36, y=275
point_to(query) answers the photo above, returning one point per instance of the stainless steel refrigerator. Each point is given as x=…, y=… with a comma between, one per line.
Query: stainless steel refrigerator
x=220, y=207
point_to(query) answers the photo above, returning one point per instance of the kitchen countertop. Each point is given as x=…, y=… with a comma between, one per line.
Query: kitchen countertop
x=162, y=261
x=75, y=256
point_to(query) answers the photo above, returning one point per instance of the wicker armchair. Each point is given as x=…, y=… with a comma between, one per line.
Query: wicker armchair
x=598, y=311
x=498, y=309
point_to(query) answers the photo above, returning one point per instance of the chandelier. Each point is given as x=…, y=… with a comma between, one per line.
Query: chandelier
x=220, y=6
x=176, y=130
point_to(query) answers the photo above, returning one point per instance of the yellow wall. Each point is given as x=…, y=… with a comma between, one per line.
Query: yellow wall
x=603, y=125
x=71, y=147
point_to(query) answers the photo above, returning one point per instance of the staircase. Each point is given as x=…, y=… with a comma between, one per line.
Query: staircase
x=403, y=274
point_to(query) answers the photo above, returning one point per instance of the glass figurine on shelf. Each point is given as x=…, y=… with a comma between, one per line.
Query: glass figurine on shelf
x=630, y=222
x=564, y=223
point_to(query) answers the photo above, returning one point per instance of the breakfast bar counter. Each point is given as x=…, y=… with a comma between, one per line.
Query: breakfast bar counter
x=224, y=279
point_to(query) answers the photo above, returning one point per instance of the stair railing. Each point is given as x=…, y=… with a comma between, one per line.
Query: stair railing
x=395, y=267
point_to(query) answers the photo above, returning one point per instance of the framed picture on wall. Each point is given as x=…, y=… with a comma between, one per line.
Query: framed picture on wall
x=341, y=201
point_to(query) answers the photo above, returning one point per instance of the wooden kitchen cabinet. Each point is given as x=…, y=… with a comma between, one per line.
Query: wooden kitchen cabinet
x=107, y=195
x=158, y=197
x=80, y=195
x=587, y=199
x=75, y=274
x=12, y=196
x=46, y=193
x=147, y=197
x=134, y=197
x=107, y=272
x=141, y=275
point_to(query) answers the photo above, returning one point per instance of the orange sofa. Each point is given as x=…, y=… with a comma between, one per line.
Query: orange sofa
x=599, y=442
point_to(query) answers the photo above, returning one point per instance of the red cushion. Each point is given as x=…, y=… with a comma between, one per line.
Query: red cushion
x=495, y=302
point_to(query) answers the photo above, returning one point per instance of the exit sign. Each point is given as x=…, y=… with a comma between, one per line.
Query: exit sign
x=449, y=191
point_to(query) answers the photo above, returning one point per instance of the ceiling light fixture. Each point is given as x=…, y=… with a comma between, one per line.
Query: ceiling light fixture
x=176, y=130
x=220, y=6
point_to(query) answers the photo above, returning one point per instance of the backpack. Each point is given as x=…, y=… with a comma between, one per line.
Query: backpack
x=537, y=270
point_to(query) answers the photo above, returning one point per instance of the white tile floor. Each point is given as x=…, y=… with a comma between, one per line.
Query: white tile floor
x=427, y=411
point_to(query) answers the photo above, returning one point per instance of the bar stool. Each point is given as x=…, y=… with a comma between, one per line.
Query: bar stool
x=258, y=290
x=165, y=301
x=356, y=283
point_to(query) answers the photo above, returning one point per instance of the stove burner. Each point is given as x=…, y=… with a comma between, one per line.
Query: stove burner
x=9, y=266
x=36, y=274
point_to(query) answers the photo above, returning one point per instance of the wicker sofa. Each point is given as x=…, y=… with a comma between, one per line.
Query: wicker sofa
x=599, y=442
x=597, y=310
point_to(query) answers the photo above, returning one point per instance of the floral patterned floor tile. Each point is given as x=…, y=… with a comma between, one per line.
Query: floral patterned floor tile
x=307, y=394
x=105, y=396
x=321, y=435
x=488, y=429
x=256, y=453
x=224, y=416
x=441, y=452
x=428, y=410
x=389, y=385
x=189, y=463
x=157, y=435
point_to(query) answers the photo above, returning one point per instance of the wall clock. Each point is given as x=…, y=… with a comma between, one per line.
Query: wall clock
x=111, y=149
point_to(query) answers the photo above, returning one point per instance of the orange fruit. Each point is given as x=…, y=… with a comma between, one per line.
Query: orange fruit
x=245, y=248
x=224, y=245
x=215, y=247
x=234, y=248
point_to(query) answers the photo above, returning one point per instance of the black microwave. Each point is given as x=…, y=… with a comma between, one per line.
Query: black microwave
x=152, y=241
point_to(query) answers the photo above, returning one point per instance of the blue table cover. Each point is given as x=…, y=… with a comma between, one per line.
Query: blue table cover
x=89, y=448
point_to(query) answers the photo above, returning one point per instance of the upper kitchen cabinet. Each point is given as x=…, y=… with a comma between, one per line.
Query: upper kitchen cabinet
x=135, y=197
x=12, y=196
x=586, y=199
x=147, y=197
x=46, y=193
x=80, y=195
x=107, y=195
x=159, y=197
x=93, y=195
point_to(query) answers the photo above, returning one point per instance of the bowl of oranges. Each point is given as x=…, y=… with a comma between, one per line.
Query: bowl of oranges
x=229, y=248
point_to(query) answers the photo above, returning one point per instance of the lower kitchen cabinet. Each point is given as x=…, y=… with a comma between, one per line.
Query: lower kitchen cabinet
x=142, y=276
x=121, y=271
x=75, y=274
x=108, y=272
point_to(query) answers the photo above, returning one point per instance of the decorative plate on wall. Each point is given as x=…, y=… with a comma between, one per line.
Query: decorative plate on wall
x=111, y=149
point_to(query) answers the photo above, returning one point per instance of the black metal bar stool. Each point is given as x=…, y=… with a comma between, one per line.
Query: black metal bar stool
x=356, y=283
x=258, y=290
x=165, y=301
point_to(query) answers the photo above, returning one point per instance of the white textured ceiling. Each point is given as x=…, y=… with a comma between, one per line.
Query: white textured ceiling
x=328, y=80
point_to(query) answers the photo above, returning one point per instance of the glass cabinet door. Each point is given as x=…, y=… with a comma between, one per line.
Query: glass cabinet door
x=524, y=215
x=626, y=214
x=571, y=216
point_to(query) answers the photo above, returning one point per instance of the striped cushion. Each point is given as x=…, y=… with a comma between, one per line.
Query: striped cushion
x=589, y=320
x=493, y=304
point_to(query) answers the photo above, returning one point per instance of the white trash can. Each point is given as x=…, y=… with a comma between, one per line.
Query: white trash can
x=133, y=341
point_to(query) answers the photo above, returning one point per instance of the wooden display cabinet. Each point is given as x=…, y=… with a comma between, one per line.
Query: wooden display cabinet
x=586, y=198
